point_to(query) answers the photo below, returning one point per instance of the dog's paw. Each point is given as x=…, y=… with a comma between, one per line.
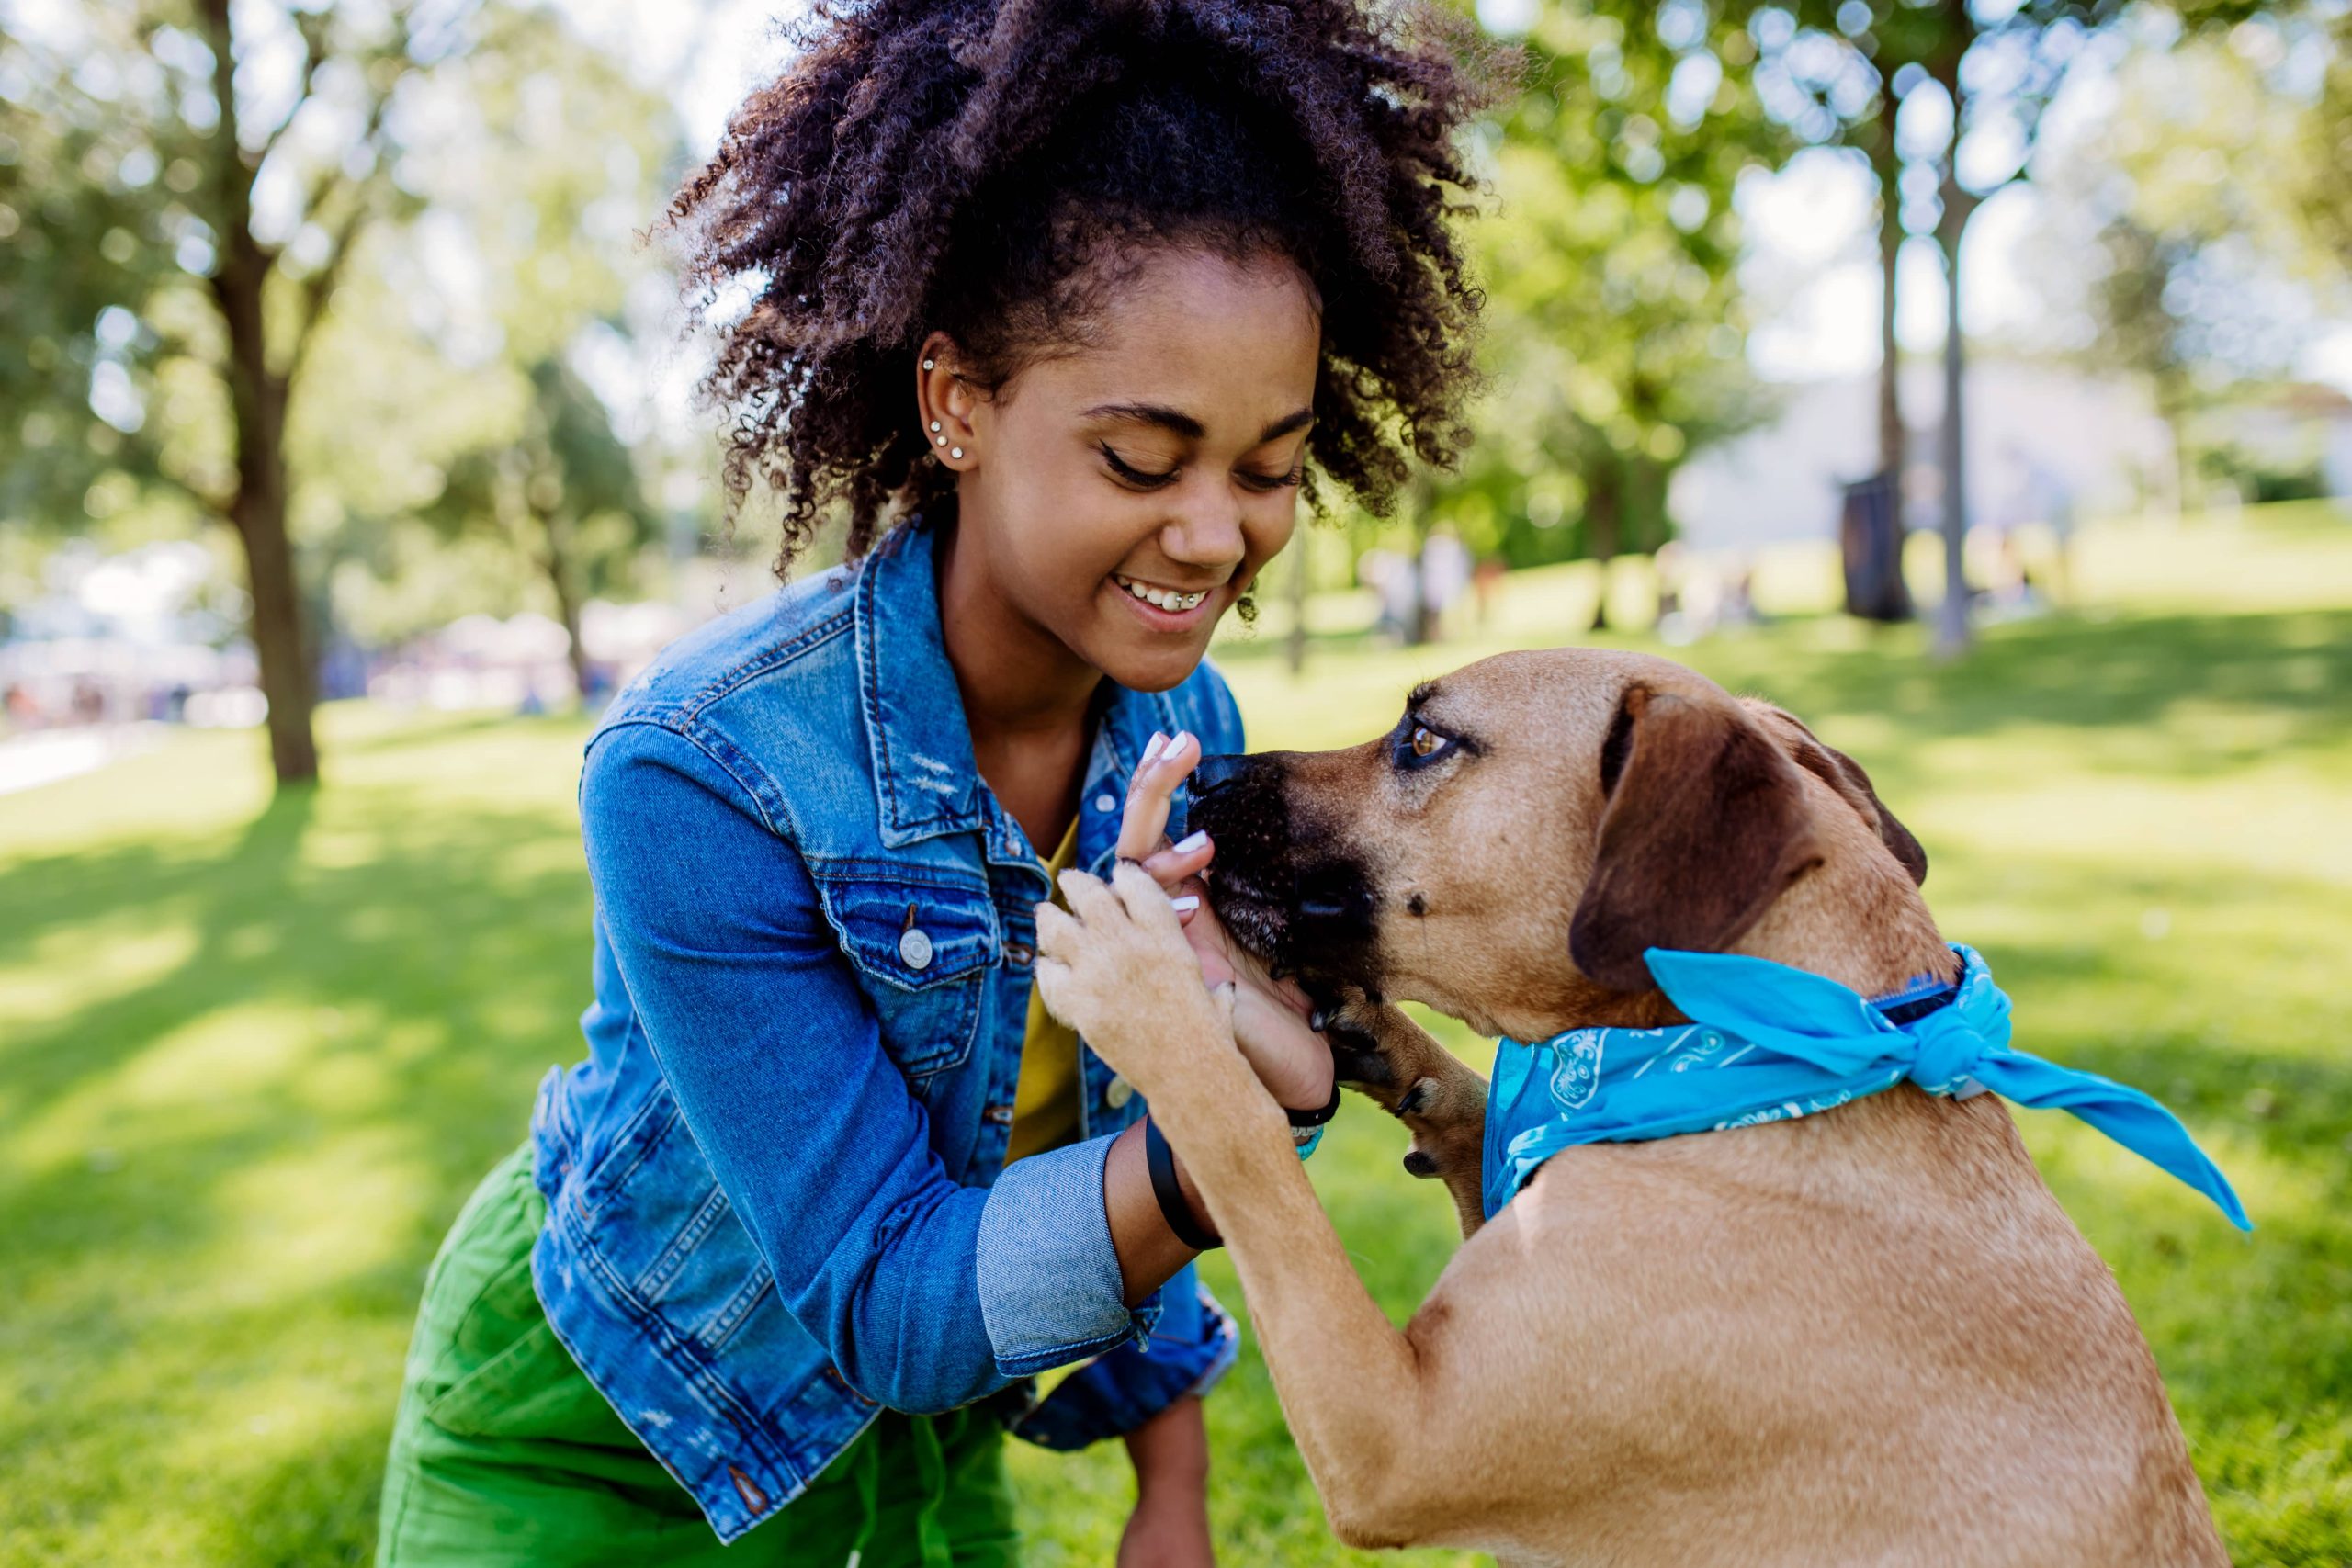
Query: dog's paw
x=1390, y=1060
x=1449, y=1126
x=1377, y=1051
x=1352, y=1020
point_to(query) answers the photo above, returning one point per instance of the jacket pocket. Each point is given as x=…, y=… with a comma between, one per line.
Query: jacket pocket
x=921, y=954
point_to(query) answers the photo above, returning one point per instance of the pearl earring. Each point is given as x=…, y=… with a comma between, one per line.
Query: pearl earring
x=956, y=451
x=934, y=424
x=940, y=440
x=931, y=365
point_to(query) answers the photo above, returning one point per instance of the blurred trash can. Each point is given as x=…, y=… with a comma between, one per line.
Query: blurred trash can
x=1872, y=548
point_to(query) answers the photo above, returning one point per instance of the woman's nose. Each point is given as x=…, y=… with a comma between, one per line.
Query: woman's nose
x=1209, y=534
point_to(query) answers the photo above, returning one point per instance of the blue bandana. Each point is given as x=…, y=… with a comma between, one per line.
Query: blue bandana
x=1767, y=1043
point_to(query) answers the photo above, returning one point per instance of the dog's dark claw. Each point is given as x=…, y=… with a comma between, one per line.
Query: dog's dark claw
x=1317, y=1020
x=1420, y=1163
x=1354, y=1066
x=1410, y=1103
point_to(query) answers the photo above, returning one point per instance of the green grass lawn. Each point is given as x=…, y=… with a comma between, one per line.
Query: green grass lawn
x=253, y=1052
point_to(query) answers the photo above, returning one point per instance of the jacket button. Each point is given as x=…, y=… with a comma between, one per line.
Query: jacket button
x=1106, y=802
x=1117, y=1095
x=914, y=946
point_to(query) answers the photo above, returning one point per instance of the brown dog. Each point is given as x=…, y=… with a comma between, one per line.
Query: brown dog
x=1868, y=1335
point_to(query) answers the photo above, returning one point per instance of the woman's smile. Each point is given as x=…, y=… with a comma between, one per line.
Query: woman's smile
x=1165, y=608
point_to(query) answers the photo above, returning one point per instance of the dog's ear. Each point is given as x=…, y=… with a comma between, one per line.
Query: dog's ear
x=1845, y=775
x=1705, y=824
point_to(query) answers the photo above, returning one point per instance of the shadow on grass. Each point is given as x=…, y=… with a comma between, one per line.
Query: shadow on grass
x=440, y=927
x=224, y=1173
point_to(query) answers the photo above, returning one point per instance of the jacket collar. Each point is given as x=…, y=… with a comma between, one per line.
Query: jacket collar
x=926, y=780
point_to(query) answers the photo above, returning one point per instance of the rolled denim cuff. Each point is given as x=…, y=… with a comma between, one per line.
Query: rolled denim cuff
x=1048, y=1276
x=1194, y=1346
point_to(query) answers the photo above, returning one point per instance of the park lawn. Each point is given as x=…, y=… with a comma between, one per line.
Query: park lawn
x=254, y=1052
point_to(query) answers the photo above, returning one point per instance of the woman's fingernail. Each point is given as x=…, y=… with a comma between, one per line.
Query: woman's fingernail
x=1191, y=841
x=1159, y=741
x=1177, y=745
x=1185, y=905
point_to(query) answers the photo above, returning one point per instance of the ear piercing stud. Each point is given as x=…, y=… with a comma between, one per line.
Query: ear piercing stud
x=934, y=424
x=930, y=364
x=955, y=451
x=939, y=440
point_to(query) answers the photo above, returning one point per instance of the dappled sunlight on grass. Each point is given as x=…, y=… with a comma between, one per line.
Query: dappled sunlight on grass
x=254, y=1052
x=67, y=971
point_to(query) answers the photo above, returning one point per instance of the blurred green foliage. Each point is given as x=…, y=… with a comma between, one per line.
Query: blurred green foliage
x=276, y=267
x=1614, y=326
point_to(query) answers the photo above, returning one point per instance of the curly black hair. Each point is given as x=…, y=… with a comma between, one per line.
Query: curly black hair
x=990, y=169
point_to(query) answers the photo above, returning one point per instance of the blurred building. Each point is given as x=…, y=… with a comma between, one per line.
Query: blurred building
x=524, y=662
x=111, y=639
x=2045, y=444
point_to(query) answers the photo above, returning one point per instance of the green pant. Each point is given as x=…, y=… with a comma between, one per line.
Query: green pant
x=503, y=1453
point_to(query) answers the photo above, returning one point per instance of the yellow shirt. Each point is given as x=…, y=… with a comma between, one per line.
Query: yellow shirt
x=1046, y=1100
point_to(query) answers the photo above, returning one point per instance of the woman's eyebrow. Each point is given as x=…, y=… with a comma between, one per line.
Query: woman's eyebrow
x=1285, y=425
x=1179, y=423
x=1172, y=420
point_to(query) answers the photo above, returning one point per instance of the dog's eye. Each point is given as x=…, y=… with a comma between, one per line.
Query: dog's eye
x=1418, y=745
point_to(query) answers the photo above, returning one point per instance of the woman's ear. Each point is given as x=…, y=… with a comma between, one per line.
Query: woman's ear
x=944, y=401
x=1705, y=825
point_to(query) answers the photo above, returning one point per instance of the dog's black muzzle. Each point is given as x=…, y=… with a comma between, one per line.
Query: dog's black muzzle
x=1294, y=899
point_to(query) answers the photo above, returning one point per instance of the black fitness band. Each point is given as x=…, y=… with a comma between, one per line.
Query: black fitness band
x=1160, y=1160
x=1315, y=1117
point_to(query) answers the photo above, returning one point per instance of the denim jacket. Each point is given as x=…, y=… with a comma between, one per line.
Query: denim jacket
x=776, y=1188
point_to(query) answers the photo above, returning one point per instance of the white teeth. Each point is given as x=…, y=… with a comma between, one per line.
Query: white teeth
x=1164, y=598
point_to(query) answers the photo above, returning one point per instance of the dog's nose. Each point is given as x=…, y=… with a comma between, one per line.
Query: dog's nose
x=1213, y=772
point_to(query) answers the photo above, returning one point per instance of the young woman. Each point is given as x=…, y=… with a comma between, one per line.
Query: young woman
x=1072, y=294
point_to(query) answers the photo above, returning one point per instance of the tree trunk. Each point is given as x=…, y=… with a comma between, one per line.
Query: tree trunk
x=1421, y=496
x=567, y=606
x=257, y=407
x=1299, y=542
x=279, y=647
x=257, y=400
x=1952, y=630
x=1604, y=514
x=1893, y=439
x=1954, y=633
x=2172, y=407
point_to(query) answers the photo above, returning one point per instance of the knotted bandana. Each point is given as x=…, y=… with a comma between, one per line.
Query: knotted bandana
x=1766, y=1043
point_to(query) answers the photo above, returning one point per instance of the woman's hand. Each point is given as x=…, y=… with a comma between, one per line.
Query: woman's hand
x=1269, y=1015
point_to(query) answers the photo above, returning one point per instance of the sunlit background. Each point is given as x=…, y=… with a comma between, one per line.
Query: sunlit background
x=350, y=459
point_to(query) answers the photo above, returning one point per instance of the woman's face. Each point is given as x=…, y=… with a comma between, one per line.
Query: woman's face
x=1121, y=497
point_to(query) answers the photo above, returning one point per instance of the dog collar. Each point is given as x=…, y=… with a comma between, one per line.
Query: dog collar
x=1767, y=1043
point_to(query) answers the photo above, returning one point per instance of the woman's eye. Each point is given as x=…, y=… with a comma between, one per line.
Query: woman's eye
x=1273, y=481
x=1128, y=473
